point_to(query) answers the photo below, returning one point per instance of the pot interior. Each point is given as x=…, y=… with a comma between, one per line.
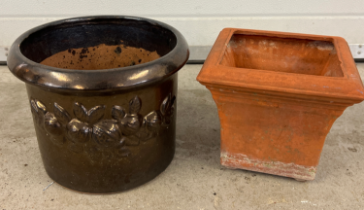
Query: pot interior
x=290, y=55
x=98, y=44
x=100, y=57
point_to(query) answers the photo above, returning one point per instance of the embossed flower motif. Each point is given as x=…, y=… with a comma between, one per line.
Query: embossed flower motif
x=79, y=129
x=167, y=109
x=151, y=127
x=38, y=110
x=129, y=122
x=106, y=133
x=110, y=137
x=155, y=121
x=48, y=121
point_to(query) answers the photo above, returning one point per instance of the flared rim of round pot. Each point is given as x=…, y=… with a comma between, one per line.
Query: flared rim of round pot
x=121, y=78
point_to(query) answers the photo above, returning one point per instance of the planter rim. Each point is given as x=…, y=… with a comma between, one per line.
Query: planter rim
x=348, y=88
x=89, y=80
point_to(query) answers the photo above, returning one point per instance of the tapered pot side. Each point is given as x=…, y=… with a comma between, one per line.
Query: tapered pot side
x=278, y=94
x=102, y=92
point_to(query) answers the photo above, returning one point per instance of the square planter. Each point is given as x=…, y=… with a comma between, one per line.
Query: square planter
x=278, y=95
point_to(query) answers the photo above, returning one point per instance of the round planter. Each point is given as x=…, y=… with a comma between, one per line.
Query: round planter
x=102, y=92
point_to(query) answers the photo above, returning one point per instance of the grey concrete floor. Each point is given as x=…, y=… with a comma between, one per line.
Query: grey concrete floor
x=195, y=179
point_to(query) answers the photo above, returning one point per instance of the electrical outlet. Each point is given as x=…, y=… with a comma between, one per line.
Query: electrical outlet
x=3, y=55
x=357, y=50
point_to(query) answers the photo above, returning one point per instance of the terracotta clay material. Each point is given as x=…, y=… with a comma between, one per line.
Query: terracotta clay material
x=100, y=57
x=278, y=95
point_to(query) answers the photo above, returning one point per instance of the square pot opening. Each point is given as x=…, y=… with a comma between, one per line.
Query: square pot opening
x=289, y=55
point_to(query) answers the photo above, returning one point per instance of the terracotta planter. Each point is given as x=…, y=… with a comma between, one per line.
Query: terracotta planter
x=102, y=92
x=278, y=95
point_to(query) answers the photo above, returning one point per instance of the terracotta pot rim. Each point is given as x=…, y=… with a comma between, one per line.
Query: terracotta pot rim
x=291, y=84
x=120, y=78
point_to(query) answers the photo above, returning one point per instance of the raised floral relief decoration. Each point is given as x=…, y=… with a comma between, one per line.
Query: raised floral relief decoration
x=102, y=138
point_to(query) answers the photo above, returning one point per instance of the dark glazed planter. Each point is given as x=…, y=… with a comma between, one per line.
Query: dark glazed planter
x=102, y=92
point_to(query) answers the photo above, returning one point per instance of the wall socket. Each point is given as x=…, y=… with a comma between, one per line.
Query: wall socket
x=3, y=55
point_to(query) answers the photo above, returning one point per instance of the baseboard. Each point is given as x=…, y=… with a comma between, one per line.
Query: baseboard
x=201, y=32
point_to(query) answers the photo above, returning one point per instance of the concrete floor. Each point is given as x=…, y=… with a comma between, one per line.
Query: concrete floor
x=195, y=180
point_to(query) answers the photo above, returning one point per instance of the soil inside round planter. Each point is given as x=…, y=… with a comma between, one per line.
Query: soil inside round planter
x=103, y=44
x=100, y=57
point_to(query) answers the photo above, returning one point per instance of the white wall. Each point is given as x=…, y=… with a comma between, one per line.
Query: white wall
x=199, y=21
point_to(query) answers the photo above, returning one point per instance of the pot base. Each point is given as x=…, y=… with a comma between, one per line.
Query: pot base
x=239, y=161
x=119, y=183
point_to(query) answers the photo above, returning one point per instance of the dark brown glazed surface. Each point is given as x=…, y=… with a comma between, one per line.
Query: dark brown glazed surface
x=42, y=42
x=117, y=143
x=102, y=91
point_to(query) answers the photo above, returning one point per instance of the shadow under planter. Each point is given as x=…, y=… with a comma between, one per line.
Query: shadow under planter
x=278, y=95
